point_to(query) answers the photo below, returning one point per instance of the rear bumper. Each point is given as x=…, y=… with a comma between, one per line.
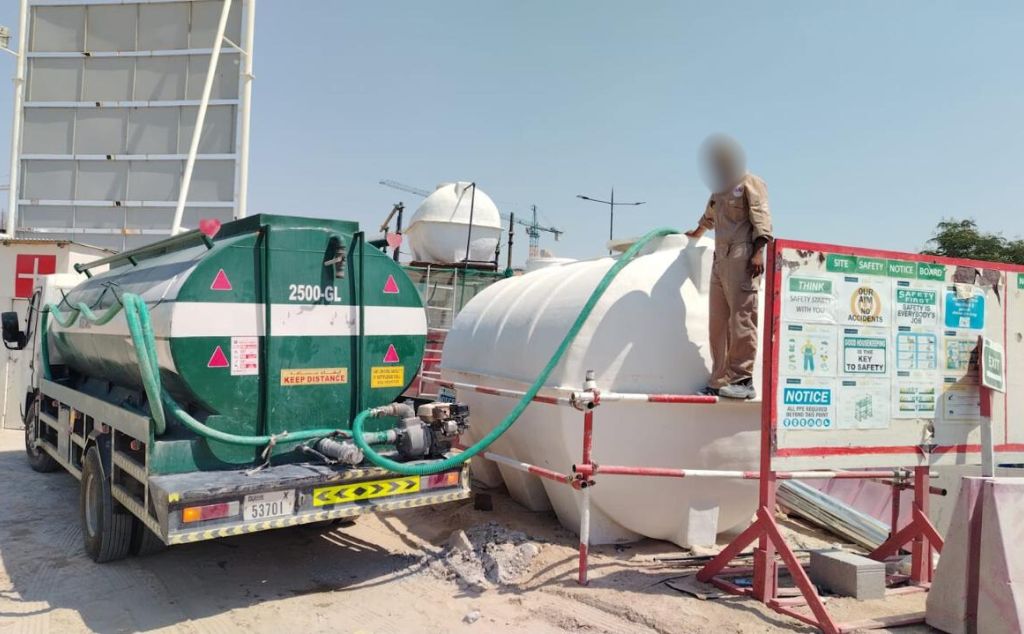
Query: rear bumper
x=319, y=492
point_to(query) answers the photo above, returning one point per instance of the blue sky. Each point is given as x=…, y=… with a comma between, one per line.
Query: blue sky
x=870, y=121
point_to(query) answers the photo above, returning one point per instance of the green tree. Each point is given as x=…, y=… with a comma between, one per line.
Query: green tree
x=962, y=239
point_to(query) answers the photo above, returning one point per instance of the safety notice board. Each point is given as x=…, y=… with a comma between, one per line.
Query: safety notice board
x=875, y=357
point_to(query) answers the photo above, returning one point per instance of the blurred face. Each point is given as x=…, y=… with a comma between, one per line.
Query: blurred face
x=722, y=162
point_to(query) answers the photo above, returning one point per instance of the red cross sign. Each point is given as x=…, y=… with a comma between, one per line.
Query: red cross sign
x=27, y=270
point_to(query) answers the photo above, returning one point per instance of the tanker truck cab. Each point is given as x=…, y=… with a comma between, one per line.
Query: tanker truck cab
x=206, y=386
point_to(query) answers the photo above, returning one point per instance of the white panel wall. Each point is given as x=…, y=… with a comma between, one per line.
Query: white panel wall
x=111, y=96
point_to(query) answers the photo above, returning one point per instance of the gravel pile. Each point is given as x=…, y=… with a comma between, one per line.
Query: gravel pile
x=484, y=556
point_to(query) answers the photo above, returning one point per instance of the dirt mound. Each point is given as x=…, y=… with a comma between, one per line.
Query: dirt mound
x=485, y=556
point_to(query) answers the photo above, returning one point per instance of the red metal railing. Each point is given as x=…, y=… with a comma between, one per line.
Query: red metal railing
x=582, y=477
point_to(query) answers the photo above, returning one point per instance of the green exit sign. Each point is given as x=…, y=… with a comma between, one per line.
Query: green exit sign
x=993, y=365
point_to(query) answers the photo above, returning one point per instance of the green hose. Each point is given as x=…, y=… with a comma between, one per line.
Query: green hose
x=44, y=349
x=141, y=329
x=454, y=461
x=81, y=309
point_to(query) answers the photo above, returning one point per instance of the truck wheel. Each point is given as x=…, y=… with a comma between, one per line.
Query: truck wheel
x=38, y=459
x=144, y=541
x=106, y=525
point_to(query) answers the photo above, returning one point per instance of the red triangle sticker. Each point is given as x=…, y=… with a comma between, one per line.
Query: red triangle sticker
x=218, y=359
x=391, y=286
x=392, y=355
x=221, y=282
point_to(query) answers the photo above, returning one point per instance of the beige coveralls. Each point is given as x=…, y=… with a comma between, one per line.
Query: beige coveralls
x=738, y=217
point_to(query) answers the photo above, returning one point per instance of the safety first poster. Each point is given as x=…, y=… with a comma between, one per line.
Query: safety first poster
x=868, y=341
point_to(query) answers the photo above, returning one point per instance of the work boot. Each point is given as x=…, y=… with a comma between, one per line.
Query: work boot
x=708, y=391
x=743, y=390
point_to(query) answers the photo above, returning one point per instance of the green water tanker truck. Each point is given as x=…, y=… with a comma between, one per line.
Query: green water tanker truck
x=205, y=386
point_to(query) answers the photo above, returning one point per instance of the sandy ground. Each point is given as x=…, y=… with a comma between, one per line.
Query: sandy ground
x=368, y=577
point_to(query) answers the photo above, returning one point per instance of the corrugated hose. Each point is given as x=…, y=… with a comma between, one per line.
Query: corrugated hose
x=456, y=460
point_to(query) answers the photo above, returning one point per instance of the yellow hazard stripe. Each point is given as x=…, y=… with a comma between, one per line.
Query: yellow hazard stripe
x=349, y=511
x=344, y=493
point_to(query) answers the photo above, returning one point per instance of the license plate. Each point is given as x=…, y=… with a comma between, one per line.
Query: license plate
x=447, y=394
x=263, y=506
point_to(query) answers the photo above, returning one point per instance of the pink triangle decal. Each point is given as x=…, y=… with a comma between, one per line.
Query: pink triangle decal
x=391, y=286
x=218, y=359
x=221, y=282
x=392, y=355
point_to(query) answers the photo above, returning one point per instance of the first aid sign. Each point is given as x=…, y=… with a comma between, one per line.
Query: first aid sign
x=28, y=268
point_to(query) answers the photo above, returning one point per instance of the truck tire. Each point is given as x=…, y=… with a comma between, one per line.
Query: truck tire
x=38, y=459
x=106, y=525
x=144, y=541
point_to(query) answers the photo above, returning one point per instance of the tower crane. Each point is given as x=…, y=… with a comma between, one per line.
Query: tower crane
x=533, y=227
x=405, y=188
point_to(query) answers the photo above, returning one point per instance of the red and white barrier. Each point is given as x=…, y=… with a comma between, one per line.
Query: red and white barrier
x=583, y=474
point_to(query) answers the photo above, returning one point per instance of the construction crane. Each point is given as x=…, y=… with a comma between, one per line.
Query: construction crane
x=405, y=188
x=533, y=228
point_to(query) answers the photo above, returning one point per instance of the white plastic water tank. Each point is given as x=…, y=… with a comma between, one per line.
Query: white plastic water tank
x=543, y=262
x=440, y=227
x=647, y=334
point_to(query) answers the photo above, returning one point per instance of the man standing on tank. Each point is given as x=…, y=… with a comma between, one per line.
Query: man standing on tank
x=738, y=213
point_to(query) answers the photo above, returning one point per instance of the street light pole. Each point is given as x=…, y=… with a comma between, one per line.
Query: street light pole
x=611, y=208
x=611, y=218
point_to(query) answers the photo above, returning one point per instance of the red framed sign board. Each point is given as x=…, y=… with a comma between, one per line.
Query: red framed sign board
x=874, y=357
x=874, y=360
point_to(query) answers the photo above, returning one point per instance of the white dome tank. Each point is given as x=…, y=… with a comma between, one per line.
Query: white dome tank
x=647, y=334
x=440, y=226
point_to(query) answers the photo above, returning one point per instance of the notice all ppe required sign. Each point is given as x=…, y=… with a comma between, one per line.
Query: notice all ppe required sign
x=806, y=406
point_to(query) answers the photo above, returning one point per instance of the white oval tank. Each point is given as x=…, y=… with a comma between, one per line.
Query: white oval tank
x=440, y=227
x=647, y=334
x=543, y=262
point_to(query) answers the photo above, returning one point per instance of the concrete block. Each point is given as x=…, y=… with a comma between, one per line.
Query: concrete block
x=979, y=582
x=947, y=600
x=1001, y=588
x=848, y=574
x=701, y=525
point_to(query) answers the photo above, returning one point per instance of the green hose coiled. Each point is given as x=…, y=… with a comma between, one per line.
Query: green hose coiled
x=454, y=461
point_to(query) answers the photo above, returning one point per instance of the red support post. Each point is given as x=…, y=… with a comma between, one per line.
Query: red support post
x=765, y=580
x=897, y=494
x=919, y=532
x=588, y=435
x=921, y=552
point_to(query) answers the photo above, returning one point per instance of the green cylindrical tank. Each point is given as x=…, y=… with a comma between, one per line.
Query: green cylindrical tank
x=277, y=324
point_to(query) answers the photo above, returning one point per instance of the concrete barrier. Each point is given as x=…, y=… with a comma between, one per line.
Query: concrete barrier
x=979, y=582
